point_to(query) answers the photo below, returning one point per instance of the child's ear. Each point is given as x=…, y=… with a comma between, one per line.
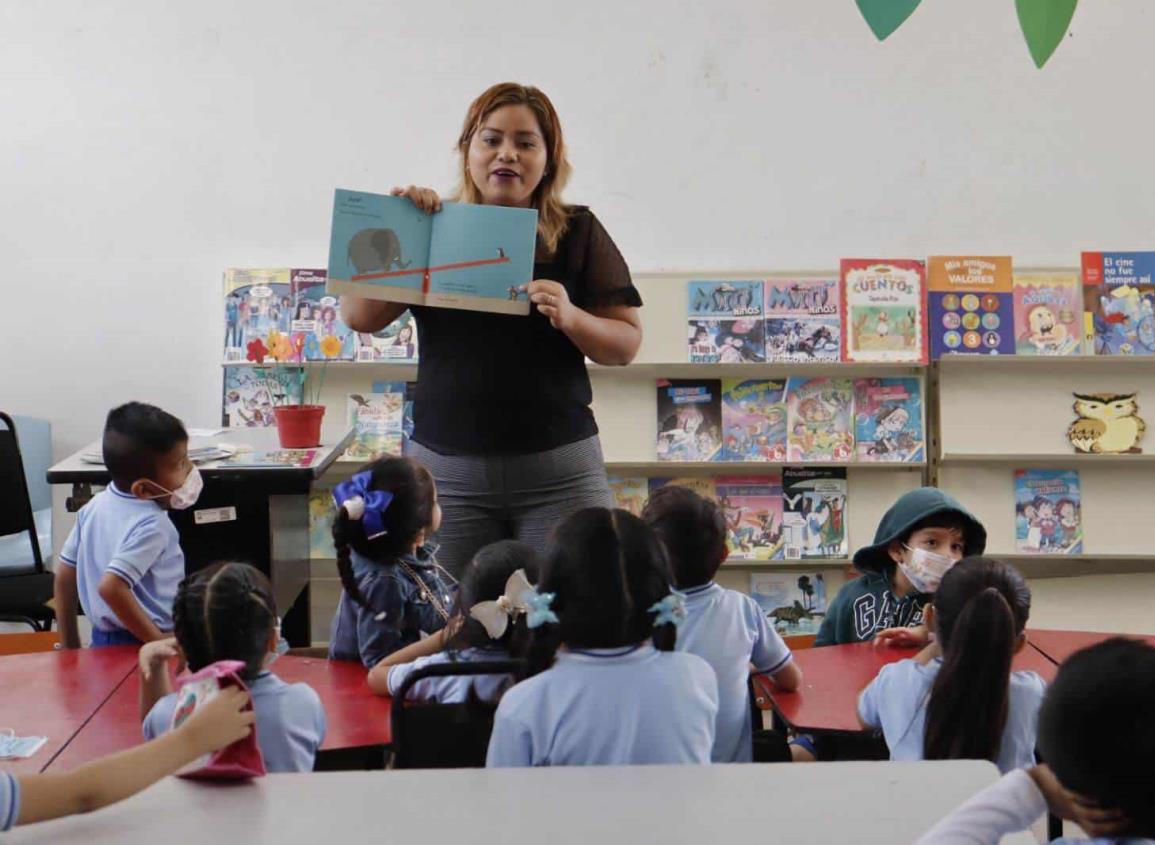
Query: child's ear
x=144, y=488
x=725, y=555
x=895, y=551
x=1020, y=642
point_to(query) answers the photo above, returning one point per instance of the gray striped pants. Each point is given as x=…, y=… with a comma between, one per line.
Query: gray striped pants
x=521, y=497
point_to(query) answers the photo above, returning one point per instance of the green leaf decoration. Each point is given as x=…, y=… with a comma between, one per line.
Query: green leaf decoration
x=1044, y=23
x=885, y=16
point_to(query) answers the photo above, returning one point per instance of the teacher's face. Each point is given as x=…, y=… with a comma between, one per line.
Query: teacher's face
x=507, y=156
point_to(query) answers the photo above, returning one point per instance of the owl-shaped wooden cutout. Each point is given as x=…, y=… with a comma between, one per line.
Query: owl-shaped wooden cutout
x=1108, y=423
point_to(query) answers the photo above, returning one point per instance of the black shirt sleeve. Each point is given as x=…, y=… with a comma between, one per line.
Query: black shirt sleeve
x=602, y=277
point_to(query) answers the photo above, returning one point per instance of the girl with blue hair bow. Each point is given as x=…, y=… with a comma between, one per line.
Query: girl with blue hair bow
x=394, y=590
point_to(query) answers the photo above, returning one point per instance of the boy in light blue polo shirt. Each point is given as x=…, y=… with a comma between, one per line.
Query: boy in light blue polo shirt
x=123, y=560
x=725, y=628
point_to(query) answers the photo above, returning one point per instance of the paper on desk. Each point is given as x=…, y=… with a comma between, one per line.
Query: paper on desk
x=205, y=432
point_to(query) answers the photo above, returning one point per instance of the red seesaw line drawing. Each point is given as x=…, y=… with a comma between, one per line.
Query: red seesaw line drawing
x=427, y=271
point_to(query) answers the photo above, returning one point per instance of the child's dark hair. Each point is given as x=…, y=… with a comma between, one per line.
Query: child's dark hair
x=1110, y=685
x=693, y=530
x=606, y=569
x=484, y=580
x=409, y=513
x=980, y=611
x=225, y=612
x=135, y=435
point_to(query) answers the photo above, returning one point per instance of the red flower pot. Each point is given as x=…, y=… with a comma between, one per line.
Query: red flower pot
x=299, y=426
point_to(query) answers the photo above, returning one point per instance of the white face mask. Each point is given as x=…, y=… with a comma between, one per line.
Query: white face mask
x=925, y=569
x=14, y=747
x=187, y=494
x=280, y=648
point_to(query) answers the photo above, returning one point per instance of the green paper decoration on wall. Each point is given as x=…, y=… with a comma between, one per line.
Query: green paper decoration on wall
x=885, y=16
x=1044, y=23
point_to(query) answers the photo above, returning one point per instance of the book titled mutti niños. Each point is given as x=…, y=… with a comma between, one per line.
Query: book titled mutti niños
x=884, y=311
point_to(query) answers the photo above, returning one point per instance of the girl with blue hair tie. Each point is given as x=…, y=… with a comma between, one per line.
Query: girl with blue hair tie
x=394, y=590
x=606, y=686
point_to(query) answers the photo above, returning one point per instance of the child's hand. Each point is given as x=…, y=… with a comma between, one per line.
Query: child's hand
x=1095, y=820
x=902, y=637
x=220, y=721
x=154, y=655
x=424, y=198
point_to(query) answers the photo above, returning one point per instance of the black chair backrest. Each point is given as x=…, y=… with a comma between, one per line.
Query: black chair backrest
x=446, y=736
x=16, y=508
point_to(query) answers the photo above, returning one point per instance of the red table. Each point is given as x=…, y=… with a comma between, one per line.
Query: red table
x=1059, y=645
x=357, y=718
x=55, y=694
x=833, y=676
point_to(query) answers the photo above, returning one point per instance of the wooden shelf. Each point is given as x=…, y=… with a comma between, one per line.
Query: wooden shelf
x=1111, y=362
x=675, y=468
x=1031, y=461
x=684, y=369
x=1068, y=566
x=817, y=563
x=406, y=368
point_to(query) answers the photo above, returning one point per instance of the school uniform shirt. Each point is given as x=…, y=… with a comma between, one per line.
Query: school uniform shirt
x=134, y=540
x=452, y=689
x=865, y=606
x=729, y=631
x=9, y=800
x=291, y=722
x=397, y=611
x=1009, y=805
x=609, y=707
x=895, y=703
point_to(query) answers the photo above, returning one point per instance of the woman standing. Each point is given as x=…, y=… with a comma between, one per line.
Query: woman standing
x=502, y=406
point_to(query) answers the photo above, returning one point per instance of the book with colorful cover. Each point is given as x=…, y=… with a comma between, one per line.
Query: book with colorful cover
x=275, y=459
x=753, y=420
x=322, y=512
x=407, y=414
x=802, y=320
x=971, y=305
x=378, y=420
x=725, y=323
x=888, y=420
x=883, y=311
x=316, y=317
x=251, y=393
x=258, y=307
x=1048, y=512
x=630, y=494
x=704, y=486
x=397, y=342
x=819, y=419
x=472, y=257
x=689, y=420
x=1119, y=302
x=814, y=513
x=795, y=602
x=1048, y=314
x=753, y=510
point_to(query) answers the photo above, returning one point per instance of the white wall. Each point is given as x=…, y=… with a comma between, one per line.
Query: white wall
x=144, y=146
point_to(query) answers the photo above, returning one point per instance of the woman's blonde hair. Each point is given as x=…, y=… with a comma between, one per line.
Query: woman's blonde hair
x=552, y=217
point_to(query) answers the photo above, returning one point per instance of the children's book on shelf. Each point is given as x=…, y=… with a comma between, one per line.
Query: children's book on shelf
x=277, y=458
x=795, y=602
x=407, y=415
x=753, y=510
x=473, y=257
x=689, y=420
x=888, y=420
x=753, y=420
x=1048, y=512
x=317, y=317
x=378, y=421
x=397, y=342
x=704, y=486
x=725, y=323
x=971, y=307
x=883, y=311
x=1048, y=314
x=251, y=393
x=819, y=419
x=258, y=306
x=1119, y=302
x=322, y=512
x=814, y=513
x=629, y=494
x=802, y=320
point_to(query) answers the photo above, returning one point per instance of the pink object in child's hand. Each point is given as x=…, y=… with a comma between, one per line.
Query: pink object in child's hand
x=242, y=759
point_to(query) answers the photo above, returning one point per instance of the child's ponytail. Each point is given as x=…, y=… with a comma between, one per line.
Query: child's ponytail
x=981, y=609
x=342, y=529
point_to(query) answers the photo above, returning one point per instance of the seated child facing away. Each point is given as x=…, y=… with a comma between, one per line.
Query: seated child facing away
x=1098, y=738
x=227, y=612
x=606, y=686
x=488, y=623
x=123, y=561
x=394, y=590
x=725, y=628
x=25, y=799
x=966, y=704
